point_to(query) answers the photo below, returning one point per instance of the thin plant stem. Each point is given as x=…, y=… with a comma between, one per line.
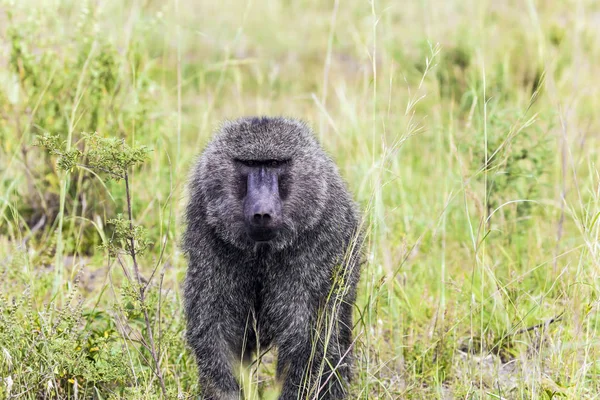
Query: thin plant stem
x=136, y=270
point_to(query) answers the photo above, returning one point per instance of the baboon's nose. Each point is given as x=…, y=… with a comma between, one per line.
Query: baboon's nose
x=262, y=219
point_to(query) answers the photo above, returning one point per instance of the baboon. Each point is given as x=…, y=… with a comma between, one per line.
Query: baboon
x=272, y=242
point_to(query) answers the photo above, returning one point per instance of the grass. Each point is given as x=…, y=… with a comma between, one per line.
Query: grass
x=466, y=130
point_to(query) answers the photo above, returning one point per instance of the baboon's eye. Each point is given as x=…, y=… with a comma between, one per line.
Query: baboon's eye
x=247, y=163
x=278, y=163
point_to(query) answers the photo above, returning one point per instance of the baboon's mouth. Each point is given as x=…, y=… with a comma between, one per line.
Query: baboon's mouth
x=262, y=235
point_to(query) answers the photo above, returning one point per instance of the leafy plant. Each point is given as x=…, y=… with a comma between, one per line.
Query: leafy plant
x=114, y=158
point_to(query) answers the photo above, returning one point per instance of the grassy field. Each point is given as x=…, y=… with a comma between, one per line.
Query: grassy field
x=467, y=131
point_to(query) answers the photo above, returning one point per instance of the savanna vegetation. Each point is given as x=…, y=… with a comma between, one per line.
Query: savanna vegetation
x=467, y=131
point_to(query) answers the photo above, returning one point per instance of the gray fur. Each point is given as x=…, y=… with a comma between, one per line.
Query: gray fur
x=240, y=295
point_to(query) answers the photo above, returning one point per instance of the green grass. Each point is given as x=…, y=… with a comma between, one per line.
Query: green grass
x=466, y=130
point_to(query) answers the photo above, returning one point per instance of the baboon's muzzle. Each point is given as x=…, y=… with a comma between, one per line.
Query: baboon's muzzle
x=262, y=205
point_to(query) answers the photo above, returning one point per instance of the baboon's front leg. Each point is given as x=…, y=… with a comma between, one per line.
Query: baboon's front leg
x=213, y=358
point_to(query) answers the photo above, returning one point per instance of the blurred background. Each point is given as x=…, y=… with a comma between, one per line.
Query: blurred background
x=467, y=131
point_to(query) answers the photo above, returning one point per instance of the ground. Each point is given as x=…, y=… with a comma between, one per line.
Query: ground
x=466, y=130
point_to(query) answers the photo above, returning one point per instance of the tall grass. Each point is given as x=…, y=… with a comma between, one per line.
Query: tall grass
x=466, y=130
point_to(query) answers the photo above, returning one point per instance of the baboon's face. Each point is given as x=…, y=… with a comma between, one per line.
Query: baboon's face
x=262, y=188
x=264, y=183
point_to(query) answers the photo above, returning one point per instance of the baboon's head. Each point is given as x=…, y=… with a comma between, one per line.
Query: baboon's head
x=264, y=180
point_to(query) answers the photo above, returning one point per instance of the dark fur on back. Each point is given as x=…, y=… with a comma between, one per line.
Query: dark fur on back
x=240, y=295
